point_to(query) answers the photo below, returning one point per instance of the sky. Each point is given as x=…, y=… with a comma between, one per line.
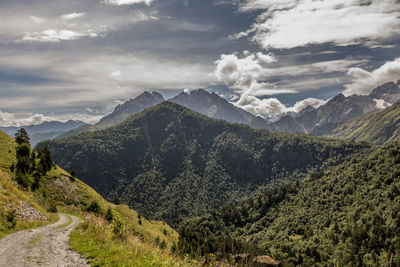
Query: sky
x=78, y=59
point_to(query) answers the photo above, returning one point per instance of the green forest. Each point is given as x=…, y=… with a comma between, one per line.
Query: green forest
x=170, y=163
x=348, y=215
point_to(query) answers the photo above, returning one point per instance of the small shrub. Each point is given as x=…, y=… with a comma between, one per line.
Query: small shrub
x=85, y=225
x=11, y=217
x=116, y=201
x=173, y=248
x=118, y=225
x=23, y=180
x=52, y=207
x=163, y=245
x=109, y=215
x=36, y=181
x=140, y=221
x=94, y=207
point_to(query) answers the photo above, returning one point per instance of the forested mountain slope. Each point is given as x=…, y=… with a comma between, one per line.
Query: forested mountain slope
x=376, y=127
x=169, y=162
x=348, y=215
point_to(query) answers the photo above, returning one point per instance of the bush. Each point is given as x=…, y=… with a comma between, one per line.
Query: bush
x=116, y=201
x=94, y=207
x=23, y=180
x=36, y=181
x=11, y=217
x=52, y=207
x=118, y=224
x=109, y=215
x=163, y=245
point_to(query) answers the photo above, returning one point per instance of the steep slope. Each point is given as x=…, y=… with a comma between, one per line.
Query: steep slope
x=117, y=225
x=169, y=162
x=323, y=120
x=127, y=109
x=379, y=127
x=346, y=216
x=287, y=124
x=45, y=130
x=120, y=113
x=213, y=106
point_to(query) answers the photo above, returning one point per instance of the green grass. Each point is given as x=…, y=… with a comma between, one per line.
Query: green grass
x=7, y=151
x=95, y=239
x=135, y=244
x=379, y=127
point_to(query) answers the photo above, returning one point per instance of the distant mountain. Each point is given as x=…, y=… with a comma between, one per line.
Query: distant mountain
x=129, y=108
x=121, y=113
x=213, y=106
x=209, y=104
x=170, y=162
x=379, y=127
x=323, y=120
x=45, y=130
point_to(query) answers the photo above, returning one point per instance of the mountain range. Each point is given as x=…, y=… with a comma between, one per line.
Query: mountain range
x=169, y=162
x=320, y=121
x=323, y=120
x=379, y=127
x=45, y=130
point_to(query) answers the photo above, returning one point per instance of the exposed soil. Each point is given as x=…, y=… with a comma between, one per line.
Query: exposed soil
x=44, y=246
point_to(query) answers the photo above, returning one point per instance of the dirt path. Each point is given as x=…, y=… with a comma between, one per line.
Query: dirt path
x=44, y=246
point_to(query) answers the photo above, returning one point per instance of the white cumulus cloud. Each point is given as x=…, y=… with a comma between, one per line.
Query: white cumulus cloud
x=247, y=74
x=294, y=23
x=363, y=81
x=313, y=102
x=272, y=107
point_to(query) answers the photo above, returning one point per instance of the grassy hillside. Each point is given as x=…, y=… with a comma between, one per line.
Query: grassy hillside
x=379, y=127
x=169, y=162
x=104, y=231
x=348, y=215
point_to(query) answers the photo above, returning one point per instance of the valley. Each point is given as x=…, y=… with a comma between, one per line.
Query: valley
x=200, y=133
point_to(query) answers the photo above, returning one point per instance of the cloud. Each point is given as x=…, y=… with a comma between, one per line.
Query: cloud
x=116, y=74
x=53, y=35
x=272, y=107
x=253, y=73
x=127, y=2
x=363, y=81
x=36, y=19
x=91, y=80
x=71, y=16
x=246, y=74
x=295, y=23
x=313, y=102
x=24, y=119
